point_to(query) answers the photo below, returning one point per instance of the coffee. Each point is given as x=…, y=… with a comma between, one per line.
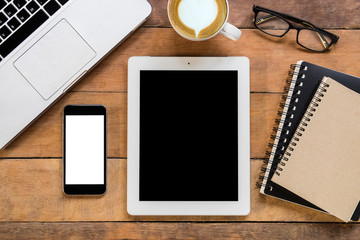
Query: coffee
x=197, y=18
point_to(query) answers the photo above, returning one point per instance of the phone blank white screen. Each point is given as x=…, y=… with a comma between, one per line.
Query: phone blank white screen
x=84, y=149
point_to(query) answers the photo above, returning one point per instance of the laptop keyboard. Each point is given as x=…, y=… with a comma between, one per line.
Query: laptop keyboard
x=20, y=18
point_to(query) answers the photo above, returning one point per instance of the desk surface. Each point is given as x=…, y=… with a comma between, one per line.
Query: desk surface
x=32, y=204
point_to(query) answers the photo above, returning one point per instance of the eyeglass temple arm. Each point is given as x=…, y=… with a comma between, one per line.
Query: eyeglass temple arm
x=259, y=8
x=264, y=19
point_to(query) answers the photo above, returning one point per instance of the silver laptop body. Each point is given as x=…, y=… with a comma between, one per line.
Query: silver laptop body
x=71, y=38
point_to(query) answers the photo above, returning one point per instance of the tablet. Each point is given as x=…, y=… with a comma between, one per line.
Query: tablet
x=188, y=136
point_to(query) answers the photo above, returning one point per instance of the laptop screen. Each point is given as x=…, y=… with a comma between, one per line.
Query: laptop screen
x=188, y=136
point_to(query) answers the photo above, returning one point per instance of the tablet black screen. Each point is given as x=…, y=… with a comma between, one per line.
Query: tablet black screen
x=188, y=136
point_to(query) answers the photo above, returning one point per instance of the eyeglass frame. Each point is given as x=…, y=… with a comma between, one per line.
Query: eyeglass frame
x=285, y=17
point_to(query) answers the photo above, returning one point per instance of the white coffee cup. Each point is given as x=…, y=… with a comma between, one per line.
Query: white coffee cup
x=193, y=15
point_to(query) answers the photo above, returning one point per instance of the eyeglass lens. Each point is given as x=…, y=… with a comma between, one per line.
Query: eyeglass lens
x=271, y=24
x=313, y=40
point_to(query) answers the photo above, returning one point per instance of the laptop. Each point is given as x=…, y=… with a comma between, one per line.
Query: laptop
x=46, y=46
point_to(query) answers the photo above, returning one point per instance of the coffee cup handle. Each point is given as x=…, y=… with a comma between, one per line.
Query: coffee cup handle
x=230, y=31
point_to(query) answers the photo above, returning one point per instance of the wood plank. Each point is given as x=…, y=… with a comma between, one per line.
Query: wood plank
x=31, y=190
x=44, y=137
x=325, y=14
x=270, y=57
x=118, y=230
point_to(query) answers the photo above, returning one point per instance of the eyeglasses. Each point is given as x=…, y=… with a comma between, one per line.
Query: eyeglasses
x=308, y=35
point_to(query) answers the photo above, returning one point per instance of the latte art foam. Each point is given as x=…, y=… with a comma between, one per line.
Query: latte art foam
x=198, y=14
x=197, y=18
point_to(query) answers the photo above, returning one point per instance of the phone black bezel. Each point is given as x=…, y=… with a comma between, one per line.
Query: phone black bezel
x=84, y=189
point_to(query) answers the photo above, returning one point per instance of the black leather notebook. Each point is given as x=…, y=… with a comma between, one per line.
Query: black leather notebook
x=305, y=80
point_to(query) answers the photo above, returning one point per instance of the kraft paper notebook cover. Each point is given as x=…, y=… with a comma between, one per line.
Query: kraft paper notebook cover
x=321, y=163
x=304, y=78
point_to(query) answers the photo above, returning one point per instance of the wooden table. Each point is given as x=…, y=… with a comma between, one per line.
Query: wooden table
x=32, y=204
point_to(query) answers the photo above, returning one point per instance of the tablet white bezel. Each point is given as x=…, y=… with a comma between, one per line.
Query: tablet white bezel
x=240, y=207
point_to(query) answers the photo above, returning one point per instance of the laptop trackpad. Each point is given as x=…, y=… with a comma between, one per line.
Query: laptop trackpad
x=52, y=61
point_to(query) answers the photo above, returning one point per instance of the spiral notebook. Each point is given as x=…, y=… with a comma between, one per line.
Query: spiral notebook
x=321, y=163
x=301, y=86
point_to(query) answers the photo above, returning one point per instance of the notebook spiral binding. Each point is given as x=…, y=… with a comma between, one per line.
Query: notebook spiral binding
x=302, y=125
x=288, y=102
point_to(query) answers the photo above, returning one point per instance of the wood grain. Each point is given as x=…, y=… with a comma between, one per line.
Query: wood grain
x=270, y=57
x=116, y=230
x=44, y=137
x=31, y=198
x=31, y=190
x=325, y=14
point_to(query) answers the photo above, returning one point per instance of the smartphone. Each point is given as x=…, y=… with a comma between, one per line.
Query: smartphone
x=84, y=156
